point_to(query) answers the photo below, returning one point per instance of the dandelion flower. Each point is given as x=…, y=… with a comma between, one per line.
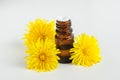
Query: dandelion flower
x=86, y=51
x=42, y=56
x=40, y=28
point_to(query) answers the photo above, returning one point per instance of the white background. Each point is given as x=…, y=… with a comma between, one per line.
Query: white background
x=100, y=18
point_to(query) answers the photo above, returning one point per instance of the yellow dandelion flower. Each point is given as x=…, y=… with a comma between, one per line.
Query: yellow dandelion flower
x=86, y=51
x=40, y=28
x=42, y=56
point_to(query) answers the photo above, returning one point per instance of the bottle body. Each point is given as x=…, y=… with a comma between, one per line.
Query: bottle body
x=64, y=40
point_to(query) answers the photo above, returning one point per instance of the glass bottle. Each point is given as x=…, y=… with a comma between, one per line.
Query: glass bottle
x=64, y=39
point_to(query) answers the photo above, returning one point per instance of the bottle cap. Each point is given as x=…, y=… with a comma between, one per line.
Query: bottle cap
x=62, y=19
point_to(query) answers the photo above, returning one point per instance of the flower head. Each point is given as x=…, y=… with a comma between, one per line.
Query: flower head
x=86, y=51
x=40, y=28
x=42, y=55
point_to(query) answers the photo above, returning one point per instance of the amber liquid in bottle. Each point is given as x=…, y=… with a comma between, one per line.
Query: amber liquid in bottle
x=64, y=39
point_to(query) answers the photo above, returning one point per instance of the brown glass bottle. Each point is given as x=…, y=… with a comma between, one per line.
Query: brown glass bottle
x=64, y=39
